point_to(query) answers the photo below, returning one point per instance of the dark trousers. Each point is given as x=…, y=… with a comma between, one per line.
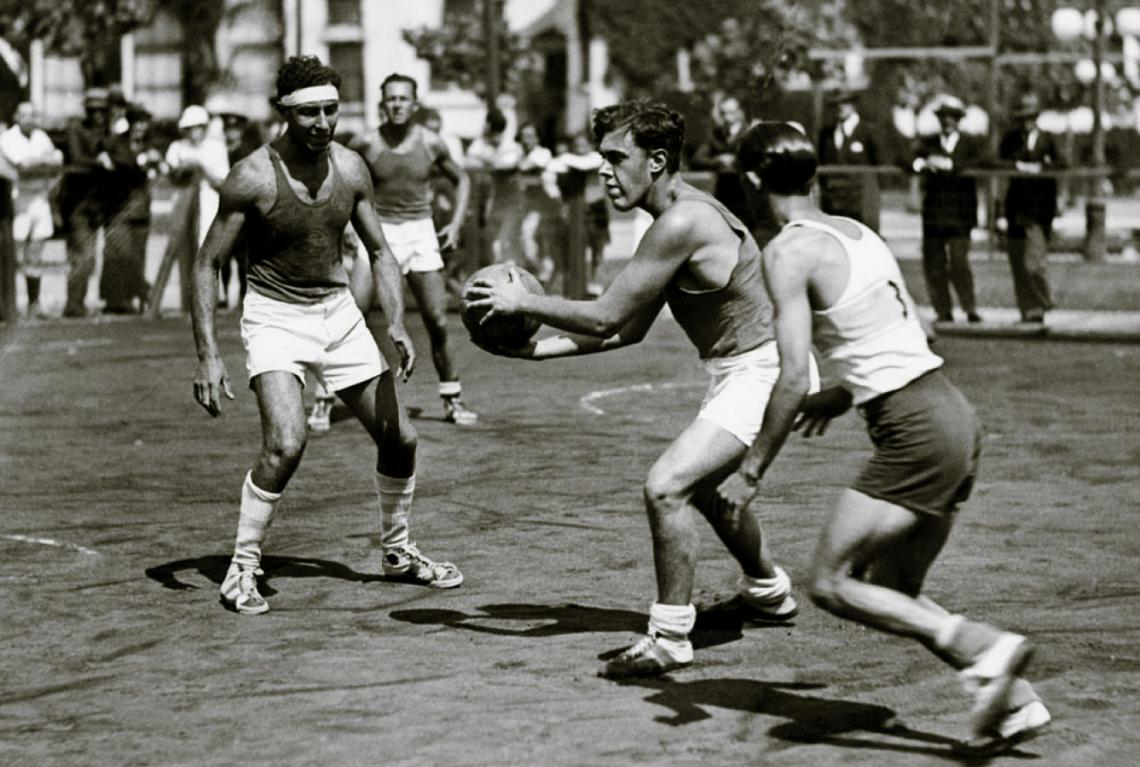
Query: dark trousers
x=1028, y=247
x=946, y=261
x=83, y=227
x=124, y=263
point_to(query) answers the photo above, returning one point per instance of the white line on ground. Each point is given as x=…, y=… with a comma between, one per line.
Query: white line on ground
x=587, y=402
x=52, y=542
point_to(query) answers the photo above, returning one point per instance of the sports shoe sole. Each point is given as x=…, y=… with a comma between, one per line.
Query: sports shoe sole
x=738, y=609
x=990, y=714
x=999, y=744
x=638, y=668
x=407, y=576
x=232, y=606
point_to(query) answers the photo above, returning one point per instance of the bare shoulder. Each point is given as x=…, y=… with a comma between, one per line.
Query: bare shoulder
x=694, y=222
x=250, y=179
x=351, y=165
x=362, y=143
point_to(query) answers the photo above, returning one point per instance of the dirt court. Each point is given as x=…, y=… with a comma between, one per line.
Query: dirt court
x=119, y=498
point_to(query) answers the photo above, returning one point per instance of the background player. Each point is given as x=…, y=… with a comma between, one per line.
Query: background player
x=835, y=284
x=700, y=259
x=295, y=196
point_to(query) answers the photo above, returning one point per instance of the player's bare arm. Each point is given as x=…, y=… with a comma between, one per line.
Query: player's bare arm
x=243, y=187
x=573, y=344
x=787, y=274
x=386, y=279
x=449, y=234
x=666, y=246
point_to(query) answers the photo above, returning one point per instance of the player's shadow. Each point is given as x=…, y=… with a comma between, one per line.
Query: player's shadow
x=213, y=568
x=811, y=719
x=538, y=621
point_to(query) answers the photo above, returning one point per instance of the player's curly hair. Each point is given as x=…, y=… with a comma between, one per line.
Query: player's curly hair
x=781, y=155
x=651, y=124
x=302, y=72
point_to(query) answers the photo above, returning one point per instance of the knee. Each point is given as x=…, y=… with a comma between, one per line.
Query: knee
x=399, y=436
x=663, y=492
x=285, y=451
x=826, y=590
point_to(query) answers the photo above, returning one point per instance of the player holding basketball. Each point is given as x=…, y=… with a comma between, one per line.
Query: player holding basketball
x=698, y=258
x=294, y=197
x=835, y=284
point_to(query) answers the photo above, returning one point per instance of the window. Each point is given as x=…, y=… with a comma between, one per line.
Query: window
x=344, y=12
x=348, y=61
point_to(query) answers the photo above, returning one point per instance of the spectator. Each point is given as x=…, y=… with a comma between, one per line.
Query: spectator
x=536, y=206
x=849, y=140
x=126, y=211
x=1030, y=205
x=496, y=156
x=575, y=170
x=718, y=154
x=949, y=211
x=81, y=204
x=37, y=162
x=443, y=202
x=241, y=137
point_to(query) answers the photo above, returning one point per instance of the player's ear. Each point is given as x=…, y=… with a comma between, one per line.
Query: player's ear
x=658, y=161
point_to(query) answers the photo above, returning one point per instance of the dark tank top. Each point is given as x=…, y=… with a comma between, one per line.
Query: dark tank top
x=401, y=179
x=731, y=320
x=295, y=248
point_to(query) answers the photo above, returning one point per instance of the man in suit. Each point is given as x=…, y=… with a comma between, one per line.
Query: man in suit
x=1030, y=205
x=849, y=140
x=718, y=154
x=949, y=211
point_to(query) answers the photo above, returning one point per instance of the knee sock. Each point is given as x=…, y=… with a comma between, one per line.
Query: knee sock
x=450, y=389
x=672, y=622
x=765, y=591
x=395, y=506
x=963, y=640
x=257, y=507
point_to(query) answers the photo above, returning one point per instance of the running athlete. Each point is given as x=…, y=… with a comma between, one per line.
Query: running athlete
x=701, y=260
x=835, y=284
x=294, y=197
x=402, y=156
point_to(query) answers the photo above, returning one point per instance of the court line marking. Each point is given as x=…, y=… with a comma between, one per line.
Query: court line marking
x=52, y=542
x=588, y=401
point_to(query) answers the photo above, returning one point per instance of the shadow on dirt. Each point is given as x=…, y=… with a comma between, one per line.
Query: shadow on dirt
x=557, y=620
x=213, y=568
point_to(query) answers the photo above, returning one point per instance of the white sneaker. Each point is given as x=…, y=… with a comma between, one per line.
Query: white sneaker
x=320, y=417
x=651, y=656
x=407, y=563
x=990, y=678
x=239, y=590
x=1016, y=727
x=454, y=411
x=769, y=608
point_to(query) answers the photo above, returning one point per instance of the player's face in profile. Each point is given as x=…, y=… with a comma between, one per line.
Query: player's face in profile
x=313, y=125
x=397, y=102
x=625, y=169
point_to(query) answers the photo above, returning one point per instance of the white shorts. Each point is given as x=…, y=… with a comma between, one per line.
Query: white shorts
x=32, y=219
x=414, y=244
x=741, y=385
x=328, y=338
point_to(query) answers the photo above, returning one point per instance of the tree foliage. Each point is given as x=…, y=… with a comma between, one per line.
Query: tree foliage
x=457, y=52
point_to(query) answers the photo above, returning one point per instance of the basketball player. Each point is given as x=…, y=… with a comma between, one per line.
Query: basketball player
x=835, y=284
x=294, y=197
x=701, y=260
x=402, y=156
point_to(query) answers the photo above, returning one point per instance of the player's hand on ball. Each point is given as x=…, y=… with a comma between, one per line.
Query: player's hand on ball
x=498, y=298
x=211, y=383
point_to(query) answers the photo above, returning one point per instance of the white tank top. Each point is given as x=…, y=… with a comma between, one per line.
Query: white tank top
x=870, y=338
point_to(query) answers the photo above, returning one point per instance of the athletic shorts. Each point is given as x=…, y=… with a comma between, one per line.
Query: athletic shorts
x=328, y=337
x=740, y=387
x=927, y=441
x=32, y=219
x=414, y=244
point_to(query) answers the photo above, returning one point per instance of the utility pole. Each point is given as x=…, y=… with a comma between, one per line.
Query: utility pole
x=1095, y=207
x=491, y=19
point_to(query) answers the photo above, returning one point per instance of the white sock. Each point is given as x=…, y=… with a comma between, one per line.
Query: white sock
x=449, y=389
x=257, y=507
x=765, y=591
x=672, y=621
x=395, y=506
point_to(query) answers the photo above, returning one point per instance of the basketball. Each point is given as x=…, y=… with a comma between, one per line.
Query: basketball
x=508, y=332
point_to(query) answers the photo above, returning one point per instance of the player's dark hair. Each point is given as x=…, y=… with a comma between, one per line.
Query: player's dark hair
x=781, y=155
x=651, y=124
x=397, y=77
x=303, y=72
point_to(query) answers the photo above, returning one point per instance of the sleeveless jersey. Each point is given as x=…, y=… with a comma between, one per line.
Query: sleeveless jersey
x=401, y=179
x=723, y=322
x=295, y=249
x=871, y=337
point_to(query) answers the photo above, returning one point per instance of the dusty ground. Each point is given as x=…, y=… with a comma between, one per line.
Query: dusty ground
x=119, y=506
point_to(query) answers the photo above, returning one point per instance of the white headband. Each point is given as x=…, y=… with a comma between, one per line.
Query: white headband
x=310, y=95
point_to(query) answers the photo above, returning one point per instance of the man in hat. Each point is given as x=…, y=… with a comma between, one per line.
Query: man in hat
x=849, y=140
x=80, y=204
x=949, y=210
x=1030, y=205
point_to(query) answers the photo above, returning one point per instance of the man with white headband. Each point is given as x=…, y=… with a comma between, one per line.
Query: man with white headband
x=403, y=156
x=294, y=198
